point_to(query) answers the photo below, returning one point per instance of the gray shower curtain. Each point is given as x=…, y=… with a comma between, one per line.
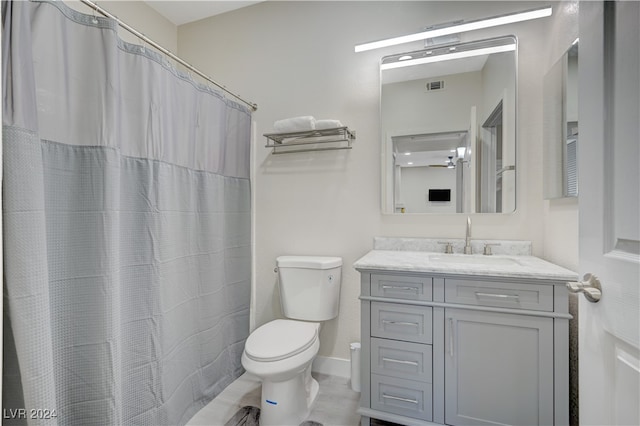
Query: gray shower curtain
x=126, y=209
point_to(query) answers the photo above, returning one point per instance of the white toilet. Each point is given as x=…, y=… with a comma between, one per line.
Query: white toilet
x=280, y=352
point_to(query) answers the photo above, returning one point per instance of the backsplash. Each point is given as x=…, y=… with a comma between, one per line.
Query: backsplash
x=501, y=247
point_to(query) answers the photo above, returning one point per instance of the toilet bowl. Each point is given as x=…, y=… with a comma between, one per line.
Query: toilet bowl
x=281, y=352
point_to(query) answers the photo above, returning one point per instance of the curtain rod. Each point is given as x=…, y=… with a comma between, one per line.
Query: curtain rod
x=147, y=40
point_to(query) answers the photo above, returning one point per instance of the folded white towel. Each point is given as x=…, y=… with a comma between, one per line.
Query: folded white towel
x=295, y=124
x=328, y=124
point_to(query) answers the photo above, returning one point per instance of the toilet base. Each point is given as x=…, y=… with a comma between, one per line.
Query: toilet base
x=288, y=402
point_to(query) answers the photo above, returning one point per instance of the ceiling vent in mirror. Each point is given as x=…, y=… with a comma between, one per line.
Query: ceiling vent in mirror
x=434, y=85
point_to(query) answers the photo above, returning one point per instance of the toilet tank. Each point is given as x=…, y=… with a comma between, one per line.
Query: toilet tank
x=309, y=286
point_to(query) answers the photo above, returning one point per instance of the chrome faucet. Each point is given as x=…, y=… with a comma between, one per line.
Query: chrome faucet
x=467, y=239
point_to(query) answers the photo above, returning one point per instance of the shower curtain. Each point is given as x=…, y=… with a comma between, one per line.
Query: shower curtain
x=126, y=209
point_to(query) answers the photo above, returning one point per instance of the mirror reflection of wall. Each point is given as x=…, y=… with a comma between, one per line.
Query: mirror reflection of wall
x=571, y=130
x=449, y=124
x=560, y=120
x=426, y=165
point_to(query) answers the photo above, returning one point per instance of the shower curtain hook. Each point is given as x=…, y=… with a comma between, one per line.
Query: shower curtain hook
x=95, y=18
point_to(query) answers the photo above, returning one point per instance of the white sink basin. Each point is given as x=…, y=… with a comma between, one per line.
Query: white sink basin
x=462, y=259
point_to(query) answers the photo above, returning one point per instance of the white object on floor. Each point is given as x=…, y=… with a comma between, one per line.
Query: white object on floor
x=355, y=366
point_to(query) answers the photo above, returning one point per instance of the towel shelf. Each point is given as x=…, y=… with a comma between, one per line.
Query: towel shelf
x=311, y=140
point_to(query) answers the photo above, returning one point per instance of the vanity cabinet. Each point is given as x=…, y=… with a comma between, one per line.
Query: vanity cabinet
x=498, y=369
x=401, y=352
x=463, y=350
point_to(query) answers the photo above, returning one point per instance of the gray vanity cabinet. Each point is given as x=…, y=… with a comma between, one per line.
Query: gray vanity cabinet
x=400, y=346
x=463, y=350
x=498, y=369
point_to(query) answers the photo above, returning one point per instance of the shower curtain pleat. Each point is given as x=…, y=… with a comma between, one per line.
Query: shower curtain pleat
x=126, y=215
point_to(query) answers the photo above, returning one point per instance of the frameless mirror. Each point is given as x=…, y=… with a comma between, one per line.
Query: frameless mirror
x=448, y=123
x=560, y=123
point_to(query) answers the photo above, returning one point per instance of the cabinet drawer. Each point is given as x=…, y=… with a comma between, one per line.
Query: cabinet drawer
x=402, y=287
x=536, y=297
x=404, y=397
x=401, y=322
x=401, y=359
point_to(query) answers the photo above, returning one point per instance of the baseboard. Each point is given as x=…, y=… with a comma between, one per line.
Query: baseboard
x=332, y=366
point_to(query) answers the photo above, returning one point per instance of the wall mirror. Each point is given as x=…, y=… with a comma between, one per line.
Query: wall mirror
x=448, y=124
x=560, y=120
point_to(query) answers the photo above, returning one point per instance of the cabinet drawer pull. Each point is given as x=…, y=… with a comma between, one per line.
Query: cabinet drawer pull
x=400, y=361
x=499, y=296
x=414, y=324
x=395, y=287
x=397, y=398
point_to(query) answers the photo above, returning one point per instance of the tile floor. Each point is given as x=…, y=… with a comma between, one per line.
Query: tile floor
x=336, y=404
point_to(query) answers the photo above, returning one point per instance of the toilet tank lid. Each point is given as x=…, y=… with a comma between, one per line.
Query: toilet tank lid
x=309, y=262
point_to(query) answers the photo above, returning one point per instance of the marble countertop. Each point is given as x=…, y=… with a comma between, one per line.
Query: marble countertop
x=508, y=266
x=509, y=247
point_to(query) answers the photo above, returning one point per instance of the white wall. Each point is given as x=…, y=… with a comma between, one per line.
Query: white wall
x=499, y=83
x=296, y=58
x=572, y=88
x=409, y=108
x=416, y=182
x=560, y=216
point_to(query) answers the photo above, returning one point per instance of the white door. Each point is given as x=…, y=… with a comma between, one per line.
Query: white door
x=609, y=118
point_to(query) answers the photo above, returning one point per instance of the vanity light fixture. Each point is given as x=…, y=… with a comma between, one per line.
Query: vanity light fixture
x=460, y=150
x=449, y=55
x=458, y=27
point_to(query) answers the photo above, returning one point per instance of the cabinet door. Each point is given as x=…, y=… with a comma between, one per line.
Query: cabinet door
x=498, y=369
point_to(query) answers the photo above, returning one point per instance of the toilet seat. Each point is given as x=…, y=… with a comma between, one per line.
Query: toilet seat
x=280, y=339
